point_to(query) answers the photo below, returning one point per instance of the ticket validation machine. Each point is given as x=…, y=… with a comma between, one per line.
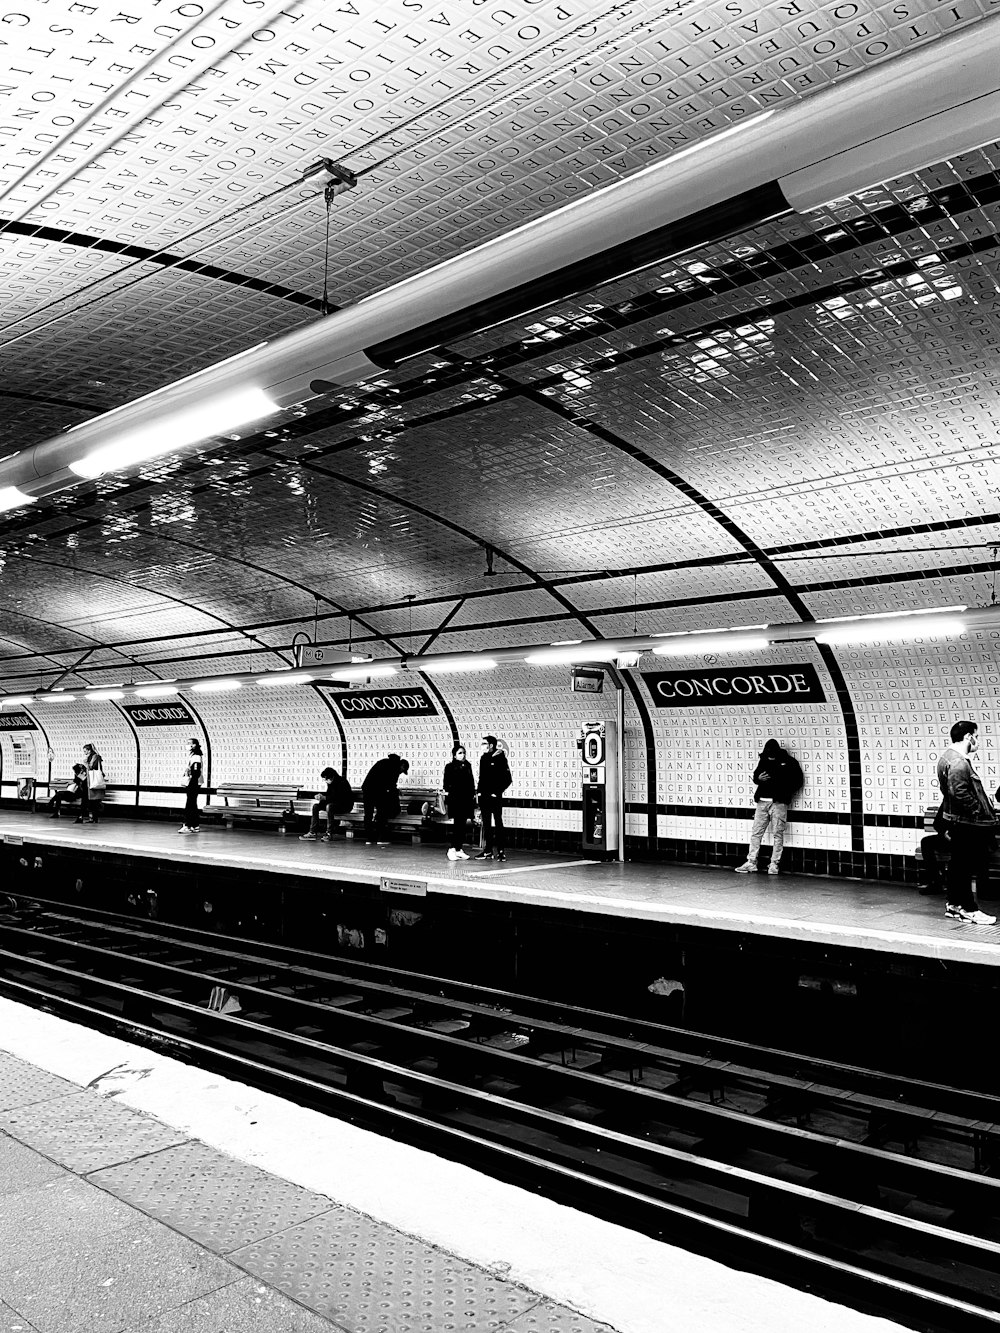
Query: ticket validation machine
x=599, y=760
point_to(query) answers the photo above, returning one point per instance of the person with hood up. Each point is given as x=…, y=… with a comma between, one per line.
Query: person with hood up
x=337, y=798
x=778, y=777
x=381, y=798
x=459, y=783
x=494, y=779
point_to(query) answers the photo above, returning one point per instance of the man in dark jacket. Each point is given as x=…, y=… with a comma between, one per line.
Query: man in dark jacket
x=336, y=799
x=778, y=777
x=971, y=821
x=381, y=797
x=494, y=779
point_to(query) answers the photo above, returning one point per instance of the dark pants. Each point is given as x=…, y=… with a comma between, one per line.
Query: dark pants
x=491, y=808
x=62, y=798
x=934, y=873
x=90, y=805
x=970, y=860
x=380, y=807
x=460, y=820
x=192, y=815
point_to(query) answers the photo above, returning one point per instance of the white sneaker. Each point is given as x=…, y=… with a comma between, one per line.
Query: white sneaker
x=452, y=854
x=185, y=829
x=978, y=918
x=747, y=868
x=773, y=870
x=462, y=856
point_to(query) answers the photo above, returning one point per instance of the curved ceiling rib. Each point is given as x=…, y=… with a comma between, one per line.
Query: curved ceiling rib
x=80, y=634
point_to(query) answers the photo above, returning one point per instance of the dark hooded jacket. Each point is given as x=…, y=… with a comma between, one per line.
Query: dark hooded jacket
x=494, y=774
x=382, y=777
x=777, y=775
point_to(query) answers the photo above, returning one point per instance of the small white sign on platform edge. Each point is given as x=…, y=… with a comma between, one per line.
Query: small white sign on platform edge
x=417, y=888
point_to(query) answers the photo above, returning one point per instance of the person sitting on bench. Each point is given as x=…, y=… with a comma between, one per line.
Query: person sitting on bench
x=69, y=795
x=337, y=799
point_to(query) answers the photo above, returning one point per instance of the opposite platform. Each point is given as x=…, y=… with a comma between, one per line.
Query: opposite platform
x=855, y=914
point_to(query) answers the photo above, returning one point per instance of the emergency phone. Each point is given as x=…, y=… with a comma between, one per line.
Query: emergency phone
x=599, y=774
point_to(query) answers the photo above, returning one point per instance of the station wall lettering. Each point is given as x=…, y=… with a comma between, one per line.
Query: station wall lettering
x=414, y=702
x=159, y=715
x=728, y=685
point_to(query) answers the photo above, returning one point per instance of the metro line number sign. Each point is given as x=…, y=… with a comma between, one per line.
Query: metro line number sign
x=718, y=686
x=412, y=702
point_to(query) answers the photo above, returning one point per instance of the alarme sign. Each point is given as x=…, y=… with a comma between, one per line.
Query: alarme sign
x=729, y=685
x=385, y=703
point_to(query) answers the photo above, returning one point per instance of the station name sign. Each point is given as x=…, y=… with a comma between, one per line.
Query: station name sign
x=159, y=715
x=17, y=722
x=717, y=686
x=414, y=702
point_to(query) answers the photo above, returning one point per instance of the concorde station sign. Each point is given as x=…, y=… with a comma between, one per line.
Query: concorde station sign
x=718, y=686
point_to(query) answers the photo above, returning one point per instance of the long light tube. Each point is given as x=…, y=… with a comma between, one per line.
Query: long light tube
x=217, y=686
x=222, y=414
x=155, y=691
x=686, y=645
x=922, y=627
x=586, y=652
x=361, y=672
x=285, y=678
x=57, y=697
x=98, y=696
x=19, y=699
x=13, y=498
x=455, y=664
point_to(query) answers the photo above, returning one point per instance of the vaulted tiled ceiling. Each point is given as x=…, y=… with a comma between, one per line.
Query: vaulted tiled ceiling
x=799, y=421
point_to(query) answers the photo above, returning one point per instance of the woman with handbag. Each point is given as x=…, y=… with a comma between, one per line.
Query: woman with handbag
x=192, y=784
x=460, y=785
x=96, y=785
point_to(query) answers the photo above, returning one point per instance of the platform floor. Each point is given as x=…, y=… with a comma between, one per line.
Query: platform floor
x=142, y=1195
x=887, y=918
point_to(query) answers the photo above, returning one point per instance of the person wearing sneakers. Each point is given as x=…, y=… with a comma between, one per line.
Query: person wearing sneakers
x=494, y=779
x=337, y=799
x=971, y=820
x=460, y=784
x=192, y=785
x=381, y=797
x=778, y=777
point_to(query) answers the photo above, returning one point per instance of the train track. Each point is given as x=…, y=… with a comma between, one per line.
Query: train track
x=866, y=1187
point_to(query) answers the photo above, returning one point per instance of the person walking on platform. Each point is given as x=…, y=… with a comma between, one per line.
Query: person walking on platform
x=778, y=777
x=336, y=799
x=92, y=795
x=460, y=784
x=381, y=797
x=971, y=821
x=494, y=779
x=192, y=785
x=71, y=794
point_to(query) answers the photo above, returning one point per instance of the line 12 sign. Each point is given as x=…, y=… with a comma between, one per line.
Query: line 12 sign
x=412, y=702
x=718, y=686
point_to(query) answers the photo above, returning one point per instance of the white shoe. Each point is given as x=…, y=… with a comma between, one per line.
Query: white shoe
x=461, y=856
x=977, y=918
x=452, y=854
x=185, y=829
x=773, y=870
x=748, y=868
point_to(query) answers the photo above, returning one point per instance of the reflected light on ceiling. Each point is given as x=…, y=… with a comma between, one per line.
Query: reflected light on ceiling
x=177, y=430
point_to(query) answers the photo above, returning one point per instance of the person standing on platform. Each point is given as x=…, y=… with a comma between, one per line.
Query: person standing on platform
x=971, y=821
x=494, y=779
x=69, y=795
x=460, y=784
x=381, y=797
x=93, y=792
x=192, y=785
x=778, y=777
x=336, y=799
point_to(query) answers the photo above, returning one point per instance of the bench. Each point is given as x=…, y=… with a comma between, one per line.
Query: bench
x=410, y=819
x=942, y=854
x=257, y=802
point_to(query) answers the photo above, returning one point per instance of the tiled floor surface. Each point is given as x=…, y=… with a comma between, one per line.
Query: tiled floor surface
x=112, y=1222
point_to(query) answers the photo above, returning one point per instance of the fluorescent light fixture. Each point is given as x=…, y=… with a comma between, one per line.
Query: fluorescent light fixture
x=688, y=645
x=586, y=652
x=174, y=430
x=217, y=686
x=13, y=498
x=20, y=699
x=894, y=630
x=56, y=697
x=453, y=664
x=892, y=615
x=361, y=672
x=286, y=678
x=100, y=695
x=155, y=691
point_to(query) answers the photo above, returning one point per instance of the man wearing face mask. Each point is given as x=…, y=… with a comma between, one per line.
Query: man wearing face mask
x=971, y=821
x=494, y=779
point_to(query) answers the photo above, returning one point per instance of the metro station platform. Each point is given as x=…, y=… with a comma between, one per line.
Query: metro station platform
x=858, y=915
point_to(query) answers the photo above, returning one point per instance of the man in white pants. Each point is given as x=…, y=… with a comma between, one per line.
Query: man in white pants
x=778, y=777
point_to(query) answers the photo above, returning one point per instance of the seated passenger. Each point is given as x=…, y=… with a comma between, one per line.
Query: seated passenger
x=71, y=794
x=336, y=799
